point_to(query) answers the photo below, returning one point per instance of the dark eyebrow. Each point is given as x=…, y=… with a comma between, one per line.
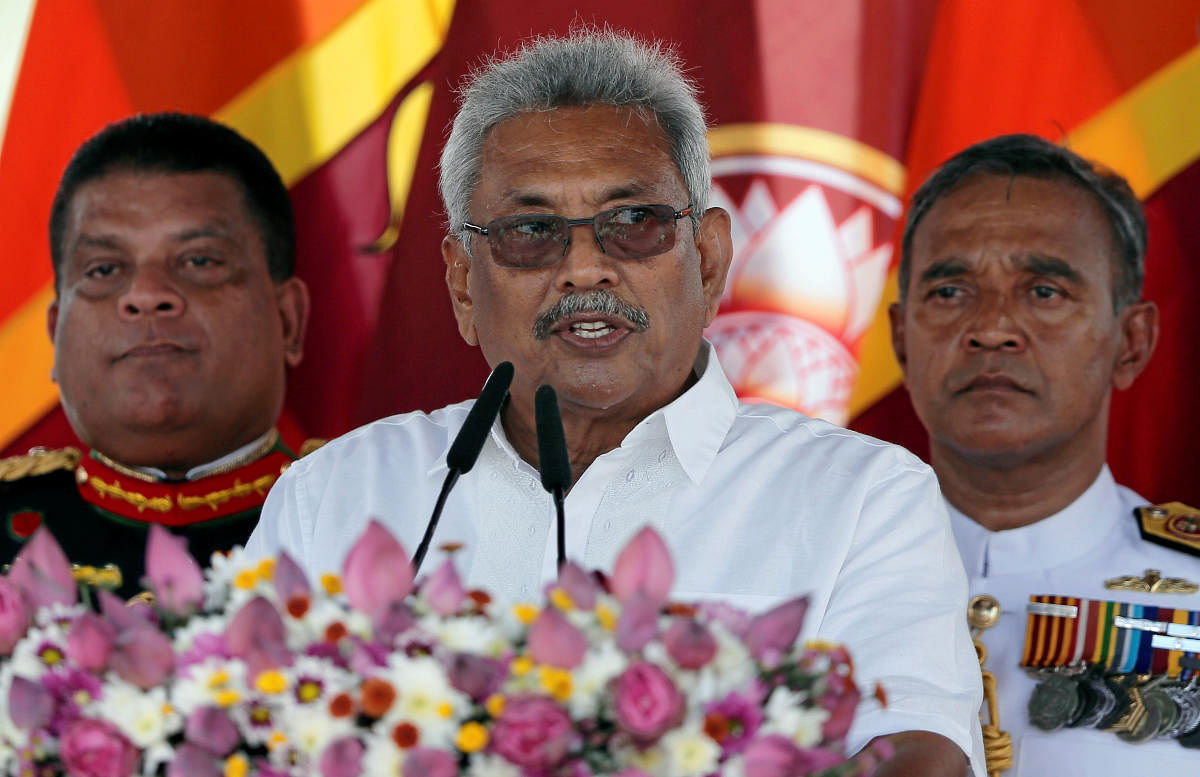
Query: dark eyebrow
x=1050, y=266
x=945, y=268
x=97, y=241
x=533, y=199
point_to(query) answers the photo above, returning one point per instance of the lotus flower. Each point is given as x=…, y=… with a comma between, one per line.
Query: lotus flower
x=193, y=761
x=475, y=675
x=638, y=623
x=643, y=565
x=142, y=656
x=778, y=756
x=377, y=571
x=554, y=641
x=579, y=585
x=291, y=586
x=172, y=574
x=14, y=616
x=427, y=762
x=42, y=572
x=771, y=635
x=343, y=758
x=444, y=590
x=257, y=636
x=90, y=642
x=212, y=729
x=30, y=704
x=689, y=643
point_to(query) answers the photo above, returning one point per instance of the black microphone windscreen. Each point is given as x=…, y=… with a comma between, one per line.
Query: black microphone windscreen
x=469, y=442
x=554, y=463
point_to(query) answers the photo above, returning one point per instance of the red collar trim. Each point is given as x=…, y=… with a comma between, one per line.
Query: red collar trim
x=182, y=503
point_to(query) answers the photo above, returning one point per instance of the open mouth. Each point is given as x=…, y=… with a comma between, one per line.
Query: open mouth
x=591, y=330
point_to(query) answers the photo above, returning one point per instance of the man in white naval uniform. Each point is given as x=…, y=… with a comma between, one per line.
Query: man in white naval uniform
x=581, y=249
x=1020, y=311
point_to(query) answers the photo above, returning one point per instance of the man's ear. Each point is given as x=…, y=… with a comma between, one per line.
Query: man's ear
x=458, y=283
x=1139, y=335
x=291, y=296
x=896, y=318
x=715, y=246
x=51, y=328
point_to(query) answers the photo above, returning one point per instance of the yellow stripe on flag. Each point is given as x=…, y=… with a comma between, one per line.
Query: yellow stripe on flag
x=1152, y=132
x=25, y=347
x=310, y=105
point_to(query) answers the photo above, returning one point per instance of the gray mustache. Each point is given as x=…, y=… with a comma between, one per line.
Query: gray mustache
x=599, y=301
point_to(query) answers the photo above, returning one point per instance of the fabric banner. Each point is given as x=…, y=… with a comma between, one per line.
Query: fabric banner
x=824, y=117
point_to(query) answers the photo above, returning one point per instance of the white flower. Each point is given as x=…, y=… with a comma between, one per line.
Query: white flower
x=217, y=681
x=590, y=679
x=199, y=625
x=38, y=650
x=689, y=751
x=468, y=633
x=311, y=727
x=143, y=716
x=425, y=698
x=487, y=765
x=787, y=714
x=382, y=758
x=58, y=613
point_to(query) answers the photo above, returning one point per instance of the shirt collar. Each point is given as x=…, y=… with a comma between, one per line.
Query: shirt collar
x=696, y=422
x=253, y=450
x=1076, y=531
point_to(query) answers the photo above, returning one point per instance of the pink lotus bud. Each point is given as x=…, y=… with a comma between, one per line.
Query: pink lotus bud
x=842, y=707
x=42, y=572
x=643, y=565
x=291, y=586
x=778, y=756
x=555, y=642
x=14, y=616
x=532, y=732
x=689, y=643
x=578, y=584
x=735, y=620
x=343, y=758
x=637, y=624
x=257, y=636
x=427, y=762
x=124, y=616
x=475, y=675
x=142, y=656
x=95, y=748
x=193, y=761
x=646, y=702
x=771, y=635
x=377, y=571
x=30, y=704
x=212, y=729
x=90, y=642
x=444, y=590
x=172, y=573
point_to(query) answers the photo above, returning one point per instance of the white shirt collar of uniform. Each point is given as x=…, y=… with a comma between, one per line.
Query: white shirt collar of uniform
x=696, y=422
x=1074, y=532
x=195, y=473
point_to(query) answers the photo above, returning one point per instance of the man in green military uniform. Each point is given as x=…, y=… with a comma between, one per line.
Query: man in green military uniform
x=176, y=315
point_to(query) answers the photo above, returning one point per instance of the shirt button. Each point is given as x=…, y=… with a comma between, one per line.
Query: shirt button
x=532, y=530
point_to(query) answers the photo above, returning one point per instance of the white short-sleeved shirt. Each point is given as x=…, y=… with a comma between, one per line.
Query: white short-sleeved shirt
x=757, y=504
x=1071, y=553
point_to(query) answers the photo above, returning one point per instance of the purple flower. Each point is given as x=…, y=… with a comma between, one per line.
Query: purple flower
x=95, y=748
x=428, y=762
x=30, y=704
x=343, y=758
x=212, y=729
x=193, y=761
x=646, y=702
x=739, y=715
x=533, y=732
x=475, y=675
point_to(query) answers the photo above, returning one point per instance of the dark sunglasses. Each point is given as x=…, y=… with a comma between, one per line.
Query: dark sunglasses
x=531, y=240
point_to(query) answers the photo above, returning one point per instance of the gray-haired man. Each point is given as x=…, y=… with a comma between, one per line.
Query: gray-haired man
x=582, y=250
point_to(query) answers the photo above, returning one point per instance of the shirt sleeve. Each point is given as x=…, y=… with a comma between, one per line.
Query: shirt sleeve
x=899, y=603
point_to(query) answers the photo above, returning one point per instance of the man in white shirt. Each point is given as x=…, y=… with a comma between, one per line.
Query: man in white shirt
x=1020, y=311
x=581, y=250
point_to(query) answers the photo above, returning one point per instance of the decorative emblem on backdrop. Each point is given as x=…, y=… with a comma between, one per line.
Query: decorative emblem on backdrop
x=813, y=216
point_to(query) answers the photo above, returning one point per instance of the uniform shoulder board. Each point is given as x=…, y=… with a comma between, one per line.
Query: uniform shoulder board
x=38, y=461
x=1173, y=524
x=310, y=445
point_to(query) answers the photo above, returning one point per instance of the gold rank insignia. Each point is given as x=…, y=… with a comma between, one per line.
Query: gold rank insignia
x=1174, y=525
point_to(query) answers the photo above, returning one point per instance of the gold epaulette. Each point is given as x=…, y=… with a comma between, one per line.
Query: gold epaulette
x=1173, y=524
x=310, y=445
x=38, y=462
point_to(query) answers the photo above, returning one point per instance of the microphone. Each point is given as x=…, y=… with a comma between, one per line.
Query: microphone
x=554, y=463
x=467, y=445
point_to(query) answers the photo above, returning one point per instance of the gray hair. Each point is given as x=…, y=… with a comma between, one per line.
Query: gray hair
x=588, y=67
x=1033, y=157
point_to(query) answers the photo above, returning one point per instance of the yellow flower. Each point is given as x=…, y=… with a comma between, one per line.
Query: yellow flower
x=557, y=682
x=227, y=698
x=271, y=681
x=607, y=618
x=276, y=739
x=820, y=645
x=236, y=765
x=445, y=709
x=331, y=583
x=471, y=737
x=561, y=599
x=245, y=579
x=266, y=569
x=520, y=666
x=494, y=705
x=218, y=679
x=525, y=613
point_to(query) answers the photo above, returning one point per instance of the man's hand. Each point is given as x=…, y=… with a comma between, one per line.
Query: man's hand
x=922, y=754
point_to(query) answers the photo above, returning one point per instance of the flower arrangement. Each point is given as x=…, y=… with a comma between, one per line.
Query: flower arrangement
x=252, y=669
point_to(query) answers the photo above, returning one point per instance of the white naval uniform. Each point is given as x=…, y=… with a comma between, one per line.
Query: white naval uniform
x=756, y=503
x=1070, y=553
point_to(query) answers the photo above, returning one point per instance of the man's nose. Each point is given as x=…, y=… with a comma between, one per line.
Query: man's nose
x=585, y=265
x=995, y=326
x=150, y=293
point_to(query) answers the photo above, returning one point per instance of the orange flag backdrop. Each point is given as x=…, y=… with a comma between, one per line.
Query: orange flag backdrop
x=825, y=116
